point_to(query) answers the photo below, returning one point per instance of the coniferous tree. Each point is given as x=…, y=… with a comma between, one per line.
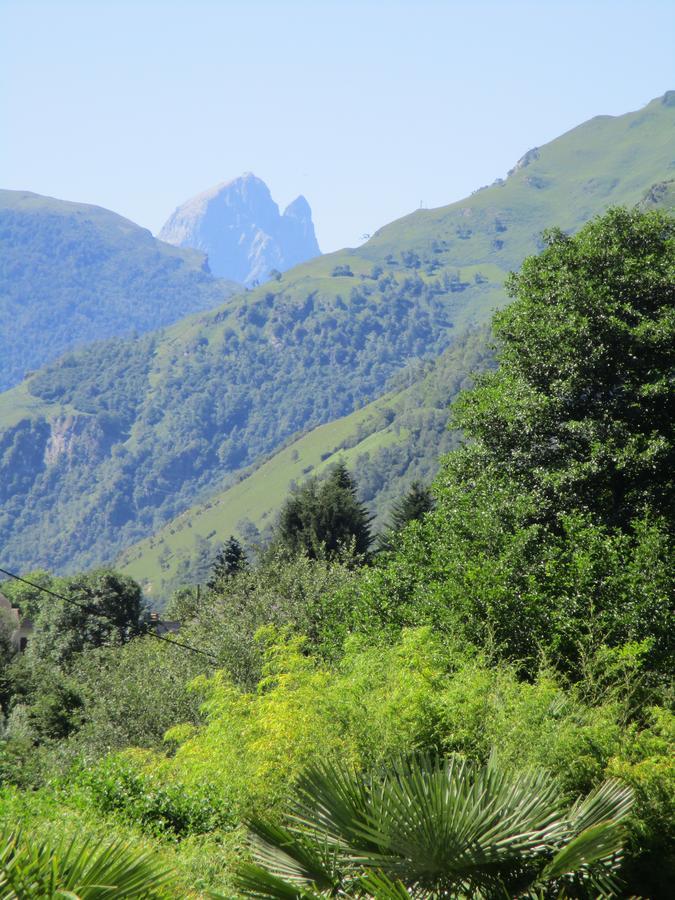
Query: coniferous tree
x=230, y=560
x=409, y=508
x=324, y=517
x=412, y=506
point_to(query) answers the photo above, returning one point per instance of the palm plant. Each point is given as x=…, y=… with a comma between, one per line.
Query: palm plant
x=78, y=870
x=430, y=828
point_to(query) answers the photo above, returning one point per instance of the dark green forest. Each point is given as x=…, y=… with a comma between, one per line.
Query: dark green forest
x=475, y=702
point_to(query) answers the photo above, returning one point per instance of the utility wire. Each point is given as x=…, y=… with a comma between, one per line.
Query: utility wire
x=91, y=610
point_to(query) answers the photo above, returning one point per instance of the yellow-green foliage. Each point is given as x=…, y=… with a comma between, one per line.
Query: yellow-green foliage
x=254, y=745
x=647, y=763
x=380, y=701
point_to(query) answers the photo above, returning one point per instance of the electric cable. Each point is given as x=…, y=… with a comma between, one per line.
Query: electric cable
x=90, y=610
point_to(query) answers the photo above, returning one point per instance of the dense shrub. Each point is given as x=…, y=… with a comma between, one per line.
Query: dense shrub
x=118, y=784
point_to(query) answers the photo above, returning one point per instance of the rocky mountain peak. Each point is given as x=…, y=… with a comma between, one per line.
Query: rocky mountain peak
x=298, y=209
x=239, y=226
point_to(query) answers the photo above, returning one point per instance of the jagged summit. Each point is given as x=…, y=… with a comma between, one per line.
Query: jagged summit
x=299, y=208
x=239, y=226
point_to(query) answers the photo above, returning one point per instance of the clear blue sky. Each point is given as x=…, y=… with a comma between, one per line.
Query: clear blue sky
x=368, y=108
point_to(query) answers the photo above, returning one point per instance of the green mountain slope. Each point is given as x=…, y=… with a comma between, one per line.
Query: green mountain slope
x=389, y=443
x=109, y=444
x=72, y=273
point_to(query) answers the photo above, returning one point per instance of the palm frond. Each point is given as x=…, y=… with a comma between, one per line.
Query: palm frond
x=86, y=869
x=301, y=859
x=599, y=843
x=433, y=827
x=429, y=816
x=254, y=881
x=610, y=801
x=377, y=884
x=333, y=798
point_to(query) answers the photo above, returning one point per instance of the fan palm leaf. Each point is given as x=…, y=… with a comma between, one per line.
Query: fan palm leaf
x=439, y=828
x=87, y=869
x=300, y=858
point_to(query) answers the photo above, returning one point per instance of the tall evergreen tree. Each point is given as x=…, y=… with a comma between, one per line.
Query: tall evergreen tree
x=230, y=560
x=324, y=517
x=412, y=506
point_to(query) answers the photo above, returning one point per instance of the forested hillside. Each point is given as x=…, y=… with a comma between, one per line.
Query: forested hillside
x=481, y=707
x=390, y=442
x=135, y=432
x=71, y=274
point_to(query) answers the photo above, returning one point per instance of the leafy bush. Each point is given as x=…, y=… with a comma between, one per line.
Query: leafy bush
x=420, y=693
x=647, y=764
x=119, y=785
x=132, y=694
x=297, y=592
x=478, y=568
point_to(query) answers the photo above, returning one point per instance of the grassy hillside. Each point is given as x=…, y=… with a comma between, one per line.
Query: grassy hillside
x=71, y=273
x=388, y=443
x=125, y=436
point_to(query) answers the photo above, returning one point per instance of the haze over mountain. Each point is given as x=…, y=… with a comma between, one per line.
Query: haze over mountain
x=239, y=226
x=104, y=447
x=71, y=273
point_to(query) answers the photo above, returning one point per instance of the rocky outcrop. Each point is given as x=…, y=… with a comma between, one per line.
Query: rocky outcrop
x=239, y=226
x=66, y=434
x=525, y=160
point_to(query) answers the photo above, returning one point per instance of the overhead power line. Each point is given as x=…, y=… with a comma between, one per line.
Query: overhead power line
x=93, y=611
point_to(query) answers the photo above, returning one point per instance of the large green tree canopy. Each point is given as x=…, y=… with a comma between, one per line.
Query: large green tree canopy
x=580, y=410
x=552, y=527
x=101, y=607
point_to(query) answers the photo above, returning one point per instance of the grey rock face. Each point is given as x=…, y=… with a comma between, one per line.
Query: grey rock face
x=239, y=227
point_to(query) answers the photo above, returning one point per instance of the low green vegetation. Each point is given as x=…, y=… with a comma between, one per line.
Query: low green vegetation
x=478, y=705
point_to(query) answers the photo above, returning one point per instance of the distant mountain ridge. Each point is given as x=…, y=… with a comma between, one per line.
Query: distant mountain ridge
x=239, y=227
x=103, y=448
x=72, y=273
